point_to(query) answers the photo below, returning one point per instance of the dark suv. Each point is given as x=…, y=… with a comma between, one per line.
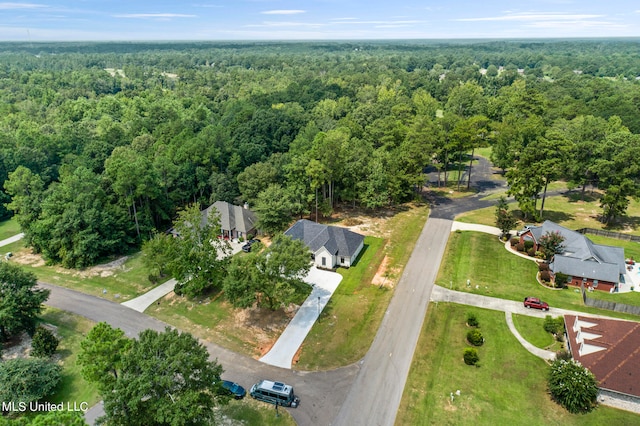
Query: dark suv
x=247, y=247
x=534, y=302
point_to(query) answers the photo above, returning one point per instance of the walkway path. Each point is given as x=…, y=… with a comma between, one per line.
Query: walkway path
x=284, y=350
x=142, y=302
x=11, y=239
x=540, y=353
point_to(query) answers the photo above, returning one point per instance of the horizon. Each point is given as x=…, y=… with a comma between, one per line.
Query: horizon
x=314, y=20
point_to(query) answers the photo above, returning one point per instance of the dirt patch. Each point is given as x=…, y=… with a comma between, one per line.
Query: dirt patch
x=17, y=347
x=28, y=257
x=385, y=276
x=264, y=325
x=364, y=223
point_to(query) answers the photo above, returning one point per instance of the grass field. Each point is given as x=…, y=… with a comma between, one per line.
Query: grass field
x=251, y=412
x=496, y=272
x=9, y=228
x=566, y=210
x=71, y=330
x=122, y=281
x=509, y=387
x=532, y=329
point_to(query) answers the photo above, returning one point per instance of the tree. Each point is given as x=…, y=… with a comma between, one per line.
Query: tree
x=254, y=179
x=271, y=277
x=27, y=191
x=20, y=301
x=44, y=343
x=166, y=379
x=573, y=386
x=196, y=257
x=28, y=379
x=101, y=355
x=57, y=418
x=551, y=243
x=504, y=218
x=273, y=209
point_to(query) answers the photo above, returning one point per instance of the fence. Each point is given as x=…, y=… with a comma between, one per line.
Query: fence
x=611, y=234
x=612, y=306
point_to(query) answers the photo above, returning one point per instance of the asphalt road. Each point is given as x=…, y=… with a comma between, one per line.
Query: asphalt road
x=321, y=393
x=376, y=393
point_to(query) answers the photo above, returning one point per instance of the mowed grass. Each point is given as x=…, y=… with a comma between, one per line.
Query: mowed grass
x=509, y=387
x=567, y=210
x=532, y=329
x=71, y=330
x=251, y=412
x=493, y=271
x=348, y=324
x=9, y=228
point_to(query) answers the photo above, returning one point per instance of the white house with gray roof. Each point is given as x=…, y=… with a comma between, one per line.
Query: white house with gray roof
x=586, y=263
x=330, y=246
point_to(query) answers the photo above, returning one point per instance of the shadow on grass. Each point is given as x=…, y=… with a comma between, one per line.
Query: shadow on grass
x=576, y=196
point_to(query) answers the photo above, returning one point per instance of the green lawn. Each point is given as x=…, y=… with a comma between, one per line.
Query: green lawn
x=251, y=412
x=496, y=272
x=71, y=330
x=532, y=329
x=122, y=282
x=566, y=210
x=509, y=387
x=9, y=228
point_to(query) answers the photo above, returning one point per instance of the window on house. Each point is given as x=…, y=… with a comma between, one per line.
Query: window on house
x=342, y=260
x=324, y=261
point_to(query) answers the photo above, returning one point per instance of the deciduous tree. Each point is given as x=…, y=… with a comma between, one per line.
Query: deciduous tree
x=573, y=386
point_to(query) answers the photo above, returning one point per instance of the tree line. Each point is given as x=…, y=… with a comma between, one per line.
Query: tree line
x=102, y=144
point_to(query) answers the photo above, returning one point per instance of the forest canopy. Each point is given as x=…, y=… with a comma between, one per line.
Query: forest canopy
x=102, y=143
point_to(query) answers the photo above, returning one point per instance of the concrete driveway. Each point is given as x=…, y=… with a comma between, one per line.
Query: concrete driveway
x=324, y=283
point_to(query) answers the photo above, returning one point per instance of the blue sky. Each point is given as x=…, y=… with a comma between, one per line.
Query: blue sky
x=65, y=20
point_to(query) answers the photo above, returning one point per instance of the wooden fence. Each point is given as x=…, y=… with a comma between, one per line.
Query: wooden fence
x=611, y=234
x=612, y=306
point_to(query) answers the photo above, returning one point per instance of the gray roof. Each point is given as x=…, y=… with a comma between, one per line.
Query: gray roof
x=232, y=217
x=338, y=241
x=581, y=257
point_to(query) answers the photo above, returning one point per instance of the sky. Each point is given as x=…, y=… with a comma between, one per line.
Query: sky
x=110, y=20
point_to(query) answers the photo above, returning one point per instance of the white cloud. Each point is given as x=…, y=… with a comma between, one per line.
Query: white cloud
x=154, y=15
x=283, y=12
x=273, y=24
x=21, y=6
x=532, y=17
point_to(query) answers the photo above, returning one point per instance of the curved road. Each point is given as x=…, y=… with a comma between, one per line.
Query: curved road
x=366, y=393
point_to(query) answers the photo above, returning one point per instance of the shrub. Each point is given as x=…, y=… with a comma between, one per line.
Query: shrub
x=153, y=278
x=539, y=255
x=563, y=354
x=545, y=276
x=543, y=266
x=44, y=343
x=514, y=241
x=573, y=386
x=472, y=320
x=554, y=325
x=520, y=247
x=531, y=252
x=475, y=337
x=28, y=379
x=528, y=244
x=471, y=356
x=561, y=280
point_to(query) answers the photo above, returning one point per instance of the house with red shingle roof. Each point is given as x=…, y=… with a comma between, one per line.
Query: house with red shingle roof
x=609, y=348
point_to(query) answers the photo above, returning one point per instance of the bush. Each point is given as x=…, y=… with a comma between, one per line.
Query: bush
x=471, y=356
x=554, y=325
x=561, y=280
x=543, y=266
x=28, y=380
x=472, y=320
x=528, y=244
x=153, y=278
x=531, y=252
x=514, y=241
x=545, y=276
x=573, y=386
x=44, y=343
x=563, y=354
x=520, y=247
x=475, y=337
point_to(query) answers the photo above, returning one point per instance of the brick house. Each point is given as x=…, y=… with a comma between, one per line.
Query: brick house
x=593, y=265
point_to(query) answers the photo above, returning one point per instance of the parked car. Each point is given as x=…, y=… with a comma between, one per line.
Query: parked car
x=234, y=389
x=247, y=247
x=534, y=302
